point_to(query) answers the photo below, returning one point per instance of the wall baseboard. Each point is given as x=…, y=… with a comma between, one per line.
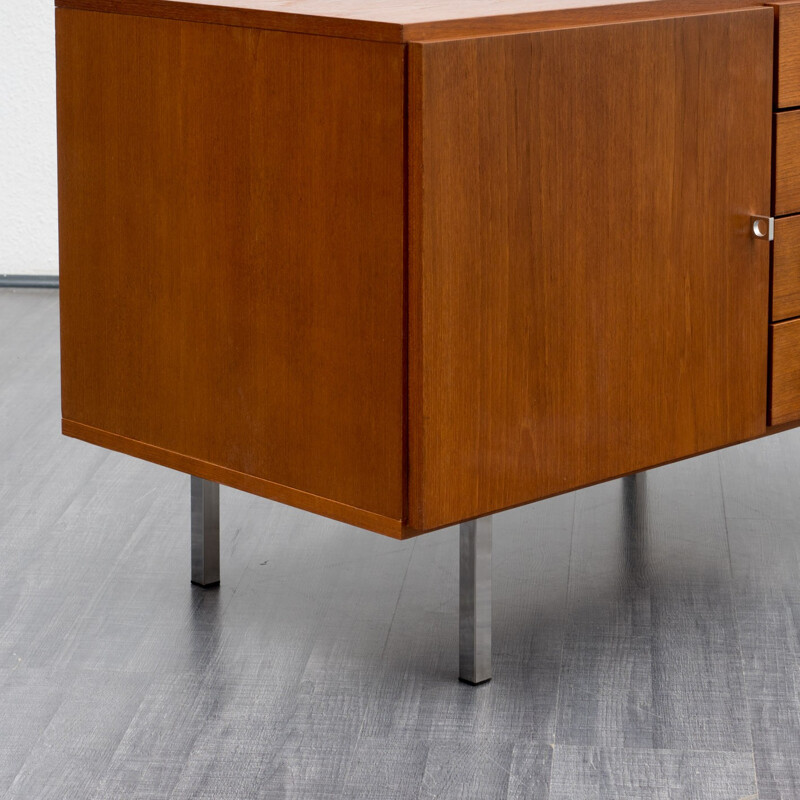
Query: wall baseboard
x=28, y=281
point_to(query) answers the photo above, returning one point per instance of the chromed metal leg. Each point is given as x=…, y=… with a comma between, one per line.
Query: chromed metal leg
x=205, y=532
x=475, y=601
x=634, y=529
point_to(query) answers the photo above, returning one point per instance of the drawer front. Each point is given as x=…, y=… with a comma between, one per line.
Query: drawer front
x=785, y=383
x=788, y=19
x=786, y=269
x=787, y=162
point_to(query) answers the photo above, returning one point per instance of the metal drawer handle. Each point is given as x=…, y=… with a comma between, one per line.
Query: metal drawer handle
x=763, y=228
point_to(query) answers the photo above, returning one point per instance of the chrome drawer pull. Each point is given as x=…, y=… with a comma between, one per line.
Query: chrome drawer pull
x=763, y=228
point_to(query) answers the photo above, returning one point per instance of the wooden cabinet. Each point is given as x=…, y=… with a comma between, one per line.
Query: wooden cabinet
x=406, y=266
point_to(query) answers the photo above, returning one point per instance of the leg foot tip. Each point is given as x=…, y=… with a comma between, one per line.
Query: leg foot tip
x=474, y=683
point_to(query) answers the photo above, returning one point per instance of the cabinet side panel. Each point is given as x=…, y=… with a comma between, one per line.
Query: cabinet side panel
x=590, y=300
x=232, y=238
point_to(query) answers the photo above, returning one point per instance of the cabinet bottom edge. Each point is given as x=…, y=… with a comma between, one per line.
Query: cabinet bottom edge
x=297, y=498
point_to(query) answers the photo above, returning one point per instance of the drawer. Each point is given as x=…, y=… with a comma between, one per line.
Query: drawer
x=785, y=380
x=786, y=269
x=788, y=54
x=787, y=162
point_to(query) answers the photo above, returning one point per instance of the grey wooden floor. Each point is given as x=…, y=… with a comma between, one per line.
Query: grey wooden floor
x=646, y=632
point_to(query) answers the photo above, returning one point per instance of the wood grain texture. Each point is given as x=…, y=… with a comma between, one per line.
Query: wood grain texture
x=629, y=774
x=787, y=163
x=639, y=652
x=231, y=236
x=580, y=316
x=785, y=381
x=404, y=20
x=765, y=564
x=787, y=42
x=786, y=269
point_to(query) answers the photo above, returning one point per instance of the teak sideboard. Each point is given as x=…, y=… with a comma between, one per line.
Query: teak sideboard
x=407, y=264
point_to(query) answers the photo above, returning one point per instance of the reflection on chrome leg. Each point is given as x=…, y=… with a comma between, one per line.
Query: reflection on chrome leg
x=205, y=532
x=475, y=601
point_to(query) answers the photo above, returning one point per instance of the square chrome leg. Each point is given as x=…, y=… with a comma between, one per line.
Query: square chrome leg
x=475, y=601
x=205, y=532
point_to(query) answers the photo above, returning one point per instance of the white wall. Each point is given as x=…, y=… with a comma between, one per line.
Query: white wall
x=28, y=222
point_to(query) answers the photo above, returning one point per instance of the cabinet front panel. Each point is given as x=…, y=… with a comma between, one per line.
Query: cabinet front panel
x=586, y=298
x=232, y=237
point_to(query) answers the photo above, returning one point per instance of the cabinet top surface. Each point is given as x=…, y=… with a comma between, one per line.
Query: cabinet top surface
x=399, y=12
x=404, y=20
